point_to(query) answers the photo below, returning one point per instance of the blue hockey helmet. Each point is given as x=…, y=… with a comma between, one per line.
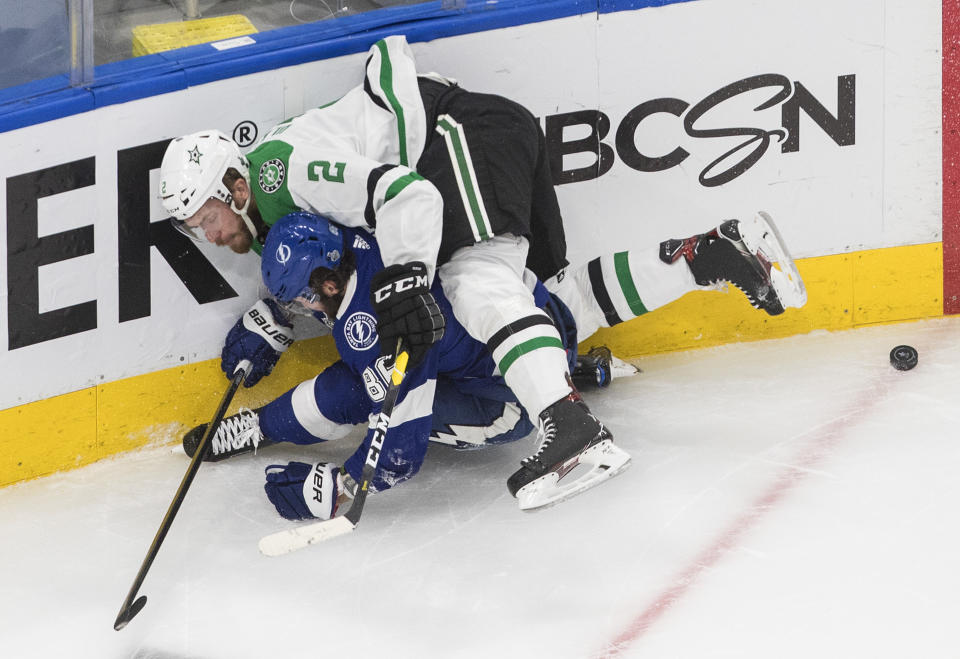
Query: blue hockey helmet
x=296, y=245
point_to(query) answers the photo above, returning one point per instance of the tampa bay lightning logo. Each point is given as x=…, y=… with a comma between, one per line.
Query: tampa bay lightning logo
x=283, y=254
x=360, y=331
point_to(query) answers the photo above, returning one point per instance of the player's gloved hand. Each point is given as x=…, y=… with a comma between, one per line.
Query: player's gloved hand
x=302, y=491
x=261, y=335
x=406, y=309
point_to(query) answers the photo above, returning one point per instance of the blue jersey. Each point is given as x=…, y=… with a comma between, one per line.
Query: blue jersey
x=456, y=358
x=454, y=396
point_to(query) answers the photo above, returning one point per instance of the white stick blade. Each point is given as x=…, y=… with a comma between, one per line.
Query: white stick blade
x=284, y=542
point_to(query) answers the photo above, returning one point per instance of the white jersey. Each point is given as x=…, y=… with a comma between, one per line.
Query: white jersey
x=352, y=161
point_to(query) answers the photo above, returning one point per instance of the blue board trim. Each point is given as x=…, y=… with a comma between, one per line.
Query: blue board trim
x=609, y=6
x=52, y=98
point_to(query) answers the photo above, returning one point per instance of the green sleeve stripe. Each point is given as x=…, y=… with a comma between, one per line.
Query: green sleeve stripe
x=521, y=349
x=621, y=265
x=397, y=186
x=386, y=84
x=326, y=105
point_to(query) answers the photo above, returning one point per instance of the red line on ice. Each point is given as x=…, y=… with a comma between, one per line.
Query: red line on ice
x=815, y=451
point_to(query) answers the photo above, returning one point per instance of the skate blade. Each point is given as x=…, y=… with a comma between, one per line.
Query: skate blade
x=622, y=369
x=760, y=234
x=606, y=461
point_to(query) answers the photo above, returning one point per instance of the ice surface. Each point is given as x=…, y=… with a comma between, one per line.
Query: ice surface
x=788, y=498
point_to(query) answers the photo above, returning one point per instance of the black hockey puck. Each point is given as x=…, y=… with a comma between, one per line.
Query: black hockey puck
x=903, y=358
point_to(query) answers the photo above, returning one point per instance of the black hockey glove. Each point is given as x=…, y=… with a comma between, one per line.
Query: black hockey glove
x=406, y=309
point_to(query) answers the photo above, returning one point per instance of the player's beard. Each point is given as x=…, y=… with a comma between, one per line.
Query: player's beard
x=322, y=278
x=241, y=241
x=331, y=303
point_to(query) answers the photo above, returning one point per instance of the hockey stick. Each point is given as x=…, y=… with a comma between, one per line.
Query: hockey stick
x=284, y=542
x=130, y=607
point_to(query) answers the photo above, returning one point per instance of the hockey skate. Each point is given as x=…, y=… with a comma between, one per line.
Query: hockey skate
x=237, y=434
x=599, y=367
x=570, y=436
x=751, y=255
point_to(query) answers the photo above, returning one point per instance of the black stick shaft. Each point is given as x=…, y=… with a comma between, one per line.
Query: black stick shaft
x=379, y=435
x=127, y=611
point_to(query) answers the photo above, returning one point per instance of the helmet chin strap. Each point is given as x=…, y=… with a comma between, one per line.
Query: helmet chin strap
x=249, y=223
x=242, y=212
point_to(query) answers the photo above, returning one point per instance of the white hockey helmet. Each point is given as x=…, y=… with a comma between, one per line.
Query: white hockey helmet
x=192, y=172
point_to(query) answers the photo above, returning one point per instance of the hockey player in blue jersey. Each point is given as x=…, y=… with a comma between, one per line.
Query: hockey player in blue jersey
x=452, y=392
x=456, y=186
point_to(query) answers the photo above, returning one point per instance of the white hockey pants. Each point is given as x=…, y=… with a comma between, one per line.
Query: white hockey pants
x=617, y=287
x=484, y=284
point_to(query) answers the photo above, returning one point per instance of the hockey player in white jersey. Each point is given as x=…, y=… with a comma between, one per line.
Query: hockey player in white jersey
x=457, y=182
x=454, y=393
x=453, y=396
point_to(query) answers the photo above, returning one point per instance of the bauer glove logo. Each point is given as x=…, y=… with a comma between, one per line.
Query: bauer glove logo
x=268, y=330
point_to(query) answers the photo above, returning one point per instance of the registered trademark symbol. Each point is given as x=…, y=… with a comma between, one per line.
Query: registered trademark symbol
x=245, y=133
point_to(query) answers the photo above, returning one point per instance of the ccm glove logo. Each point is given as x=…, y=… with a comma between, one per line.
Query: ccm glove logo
x=411, y=283
x=406, y=310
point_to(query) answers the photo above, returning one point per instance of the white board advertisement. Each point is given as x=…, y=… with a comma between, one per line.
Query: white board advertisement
x=660, y=121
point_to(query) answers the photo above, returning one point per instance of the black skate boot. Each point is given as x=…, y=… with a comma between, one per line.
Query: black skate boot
x=598, y=368
x=236, y=435
x=569, y=436
x=750, y=255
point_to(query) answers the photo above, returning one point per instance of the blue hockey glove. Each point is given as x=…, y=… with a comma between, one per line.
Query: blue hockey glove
x=302, y=491
x=261, y=335
x=405, y=308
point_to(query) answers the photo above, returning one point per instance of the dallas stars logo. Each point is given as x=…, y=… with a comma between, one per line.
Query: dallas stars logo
x=193, y=155
x=271, y=175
